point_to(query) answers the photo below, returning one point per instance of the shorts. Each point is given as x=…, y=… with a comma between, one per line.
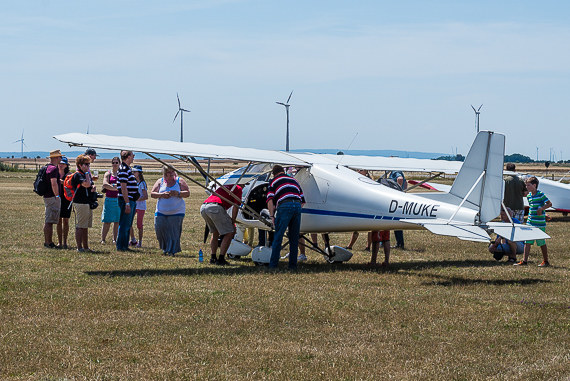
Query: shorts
x=506, y=249
x=539, y=242
x=53, y=206
x=380, y=235
x=83, y=216
x=519, y=215
x=217, y=218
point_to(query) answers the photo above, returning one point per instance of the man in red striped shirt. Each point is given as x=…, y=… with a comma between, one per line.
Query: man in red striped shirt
x=284, y=201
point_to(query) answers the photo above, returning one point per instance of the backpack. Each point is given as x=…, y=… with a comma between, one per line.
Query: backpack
x=41, y=185
x=68, y=190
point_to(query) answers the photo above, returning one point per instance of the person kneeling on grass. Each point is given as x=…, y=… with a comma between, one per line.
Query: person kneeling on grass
x=537, y=203
x=502, y=246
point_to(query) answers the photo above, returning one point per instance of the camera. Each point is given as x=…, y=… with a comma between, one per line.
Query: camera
x=93, y=196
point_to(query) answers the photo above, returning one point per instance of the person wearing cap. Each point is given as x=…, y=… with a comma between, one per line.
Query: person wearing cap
x=92, y=155
x=52, y=200
x=65, y=211
x=141, y=205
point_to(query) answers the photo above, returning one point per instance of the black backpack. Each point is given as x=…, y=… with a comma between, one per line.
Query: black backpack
x=41, y=184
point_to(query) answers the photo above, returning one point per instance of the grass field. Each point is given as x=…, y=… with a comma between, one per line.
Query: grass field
x=444, y=310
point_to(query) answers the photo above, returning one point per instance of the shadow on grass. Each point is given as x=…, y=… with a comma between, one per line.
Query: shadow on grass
x=446, y=281
x=237, y=267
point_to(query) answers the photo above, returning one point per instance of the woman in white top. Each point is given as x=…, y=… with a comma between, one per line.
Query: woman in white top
x=170, y=190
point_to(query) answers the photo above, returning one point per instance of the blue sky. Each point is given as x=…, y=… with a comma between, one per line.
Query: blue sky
x=397, y=75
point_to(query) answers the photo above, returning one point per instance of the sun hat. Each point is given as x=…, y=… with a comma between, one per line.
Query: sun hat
x=54, y=153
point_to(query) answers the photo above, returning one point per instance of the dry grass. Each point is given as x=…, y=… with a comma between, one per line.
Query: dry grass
x=445, y=310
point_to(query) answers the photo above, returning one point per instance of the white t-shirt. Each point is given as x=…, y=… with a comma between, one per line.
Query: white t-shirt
x=141, y=205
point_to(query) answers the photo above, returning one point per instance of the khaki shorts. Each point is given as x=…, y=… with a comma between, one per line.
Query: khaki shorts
x=53, y=206
x=83, y=216
x=217, y=218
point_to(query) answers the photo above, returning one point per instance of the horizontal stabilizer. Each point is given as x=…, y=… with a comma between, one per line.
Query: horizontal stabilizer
x=517, y=232
x=462, y=231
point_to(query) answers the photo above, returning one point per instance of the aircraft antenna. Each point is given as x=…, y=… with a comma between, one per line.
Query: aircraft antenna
x=347, y=148
x=477, y=112
x=180, y=111
x=286, y=105
x=21, y=140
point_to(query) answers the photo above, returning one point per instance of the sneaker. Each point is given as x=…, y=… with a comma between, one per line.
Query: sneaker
x=521, y=263
x=102, y=242
x=80, y=250
x=213, y=260
x=367, y=249
x=544, y=264
x=50, y=245
x=222, y=262
x=133, y=242
x=285, y=256
x=302, y=258
x=511, y=260
x=138, y=245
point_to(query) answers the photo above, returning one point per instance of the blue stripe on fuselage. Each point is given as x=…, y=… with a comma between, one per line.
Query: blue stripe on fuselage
x=347, y=214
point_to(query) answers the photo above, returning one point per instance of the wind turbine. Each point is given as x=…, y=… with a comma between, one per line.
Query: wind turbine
x=477, y=112
x=180, y=111
x=21, y=140
x=286, y=104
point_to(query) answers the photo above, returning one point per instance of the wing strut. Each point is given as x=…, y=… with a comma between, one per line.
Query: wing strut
x=467, y=195
x=423, y=182
x=237, y=203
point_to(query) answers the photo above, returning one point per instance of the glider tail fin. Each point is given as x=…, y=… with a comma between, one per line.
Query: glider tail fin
x=479, y=183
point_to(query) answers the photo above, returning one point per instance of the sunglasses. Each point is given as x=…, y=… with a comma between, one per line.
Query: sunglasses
x=115, y=162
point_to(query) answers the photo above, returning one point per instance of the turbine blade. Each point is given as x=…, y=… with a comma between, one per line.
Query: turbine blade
x=473, y=108
x=289, y=96
x=175, y=116
x=480, y=107
x=177, y=97
x=280, y=103
x=183, y=109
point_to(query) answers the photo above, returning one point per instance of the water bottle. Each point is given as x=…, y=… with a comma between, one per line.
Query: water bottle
x=200, y=256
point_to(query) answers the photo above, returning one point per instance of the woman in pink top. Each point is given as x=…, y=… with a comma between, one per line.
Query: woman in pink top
x=111, y=211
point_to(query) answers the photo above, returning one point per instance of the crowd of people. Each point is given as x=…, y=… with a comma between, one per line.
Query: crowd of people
x=125, y=191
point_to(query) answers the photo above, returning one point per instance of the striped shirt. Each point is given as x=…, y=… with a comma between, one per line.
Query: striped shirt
x=534, y=202
x=125, y=175
x=284, y=187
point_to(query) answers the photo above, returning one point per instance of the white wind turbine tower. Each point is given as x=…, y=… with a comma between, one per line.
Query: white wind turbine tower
x=286, y=104
x=21, y=140
x=477, y=112
x=180, y=111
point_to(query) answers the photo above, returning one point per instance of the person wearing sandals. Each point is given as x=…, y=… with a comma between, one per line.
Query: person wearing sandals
x=65, y=211
x=111, y=211
x=170, y=190
x=141, y=205
x=537, y=205
x=83, y=185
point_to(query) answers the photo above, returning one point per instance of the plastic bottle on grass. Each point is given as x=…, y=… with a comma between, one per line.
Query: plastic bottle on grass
x=200, y=256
